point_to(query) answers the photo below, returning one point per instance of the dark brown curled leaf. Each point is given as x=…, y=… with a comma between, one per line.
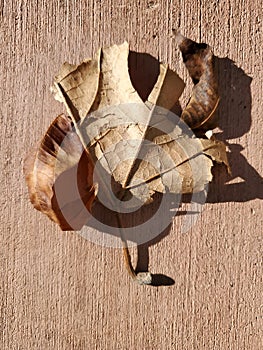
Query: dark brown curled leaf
x=59, y=166
x=198, y=59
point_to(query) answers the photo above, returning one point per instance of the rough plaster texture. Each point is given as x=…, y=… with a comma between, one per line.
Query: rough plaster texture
x=59, y=291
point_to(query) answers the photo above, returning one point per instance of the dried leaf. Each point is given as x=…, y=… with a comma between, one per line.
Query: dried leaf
x=137, y=147
x=60, y=153
x=123, y=133
x=216, y=150
x=198, y=59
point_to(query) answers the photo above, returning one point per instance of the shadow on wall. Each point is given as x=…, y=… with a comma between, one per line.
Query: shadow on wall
x=234, y=119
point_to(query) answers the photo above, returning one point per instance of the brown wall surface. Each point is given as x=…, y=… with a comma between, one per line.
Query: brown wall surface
x=60, y=291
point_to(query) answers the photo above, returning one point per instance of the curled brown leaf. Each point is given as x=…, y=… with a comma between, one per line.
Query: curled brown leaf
x=57, y=160
x=198, y=58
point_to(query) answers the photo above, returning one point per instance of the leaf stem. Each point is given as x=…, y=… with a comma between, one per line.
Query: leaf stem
x=141, y=277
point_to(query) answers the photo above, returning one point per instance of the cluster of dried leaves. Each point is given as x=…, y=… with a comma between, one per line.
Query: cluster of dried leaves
x=135, y=141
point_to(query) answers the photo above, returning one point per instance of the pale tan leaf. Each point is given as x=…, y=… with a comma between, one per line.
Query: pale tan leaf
x=217, y=151
x=77, y=86
x=119, y=123
x=168, y=88
x=137, y=145
x=133, y=148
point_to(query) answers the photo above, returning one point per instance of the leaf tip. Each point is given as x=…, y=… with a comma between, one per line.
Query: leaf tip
x=179, y=38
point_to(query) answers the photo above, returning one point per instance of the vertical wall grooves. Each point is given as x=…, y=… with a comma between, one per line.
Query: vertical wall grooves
x=59, y=291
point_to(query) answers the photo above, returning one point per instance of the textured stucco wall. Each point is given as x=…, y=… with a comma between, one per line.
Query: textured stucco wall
x=59, y=291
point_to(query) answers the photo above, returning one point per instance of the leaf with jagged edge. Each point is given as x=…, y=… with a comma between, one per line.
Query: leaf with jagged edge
x=135, y=142
x=139, y=149
x=119, y=124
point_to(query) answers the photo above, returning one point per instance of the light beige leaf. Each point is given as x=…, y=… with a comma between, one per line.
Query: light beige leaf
x=133, y=148
x=136, y=143
x=77, y=86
